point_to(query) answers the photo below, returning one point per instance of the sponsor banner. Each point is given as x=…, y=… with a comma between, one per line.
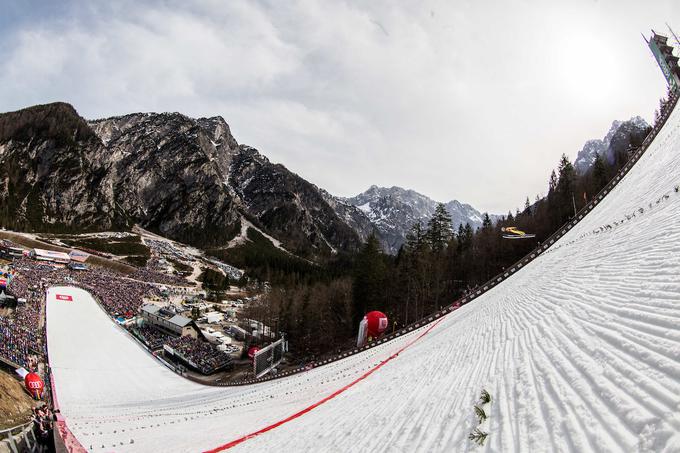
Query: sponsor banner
x=64, y=297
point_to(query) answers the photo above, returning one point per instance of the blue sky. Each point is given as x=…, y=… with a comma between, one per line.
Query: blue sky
x=468, y=100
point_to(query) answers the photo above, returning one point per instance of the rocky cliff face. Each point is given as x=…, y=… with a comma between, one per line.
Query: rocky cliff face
x=167, y=172
x=357, y=219
x=187, y=179
x=620, y=136
x=287, y=206
x=184, y=178
x=44, y=153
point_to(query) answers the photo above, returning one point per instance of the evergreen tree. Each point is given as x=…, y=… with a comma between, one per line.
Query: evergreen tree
x=599, y=174
x=484, y=239
x=461, y=238
x=467, y=235
x=527, y=207
x=370, y=272
x=565, y=188
x=415, y=238
x=552, y=183
x=486, y=221
x=439, y=231
x=567, y=176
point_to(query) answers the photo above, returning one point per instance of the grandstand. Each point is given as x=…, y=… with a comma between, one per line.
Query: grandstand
x=50, y=256
x=75, y=266
x=9, y=250
x=578, y=346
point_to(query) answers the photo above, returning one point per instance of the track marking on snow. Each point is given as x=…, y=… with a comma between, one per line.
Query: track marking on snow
x=309, y=408
x=580, y=349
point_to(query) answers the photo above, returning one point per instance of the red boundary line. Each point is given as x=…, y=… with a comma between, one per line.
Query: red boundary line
x=233, y=443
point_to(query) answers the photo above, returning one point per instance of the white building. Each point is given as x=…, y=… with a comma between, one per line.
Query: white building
x=50, y=256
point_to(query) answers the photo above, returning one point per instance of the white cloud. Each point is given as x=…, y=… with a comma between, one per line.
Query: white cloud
x=454, y=99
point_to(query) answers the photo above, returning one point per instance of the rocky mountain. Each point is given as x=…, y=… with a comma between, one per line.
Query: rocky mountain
x=352, y=216
x=394, y=210
x=288, y=207
x=184, y=178
x=187, y=179
x=44, y=153
x=621, y=134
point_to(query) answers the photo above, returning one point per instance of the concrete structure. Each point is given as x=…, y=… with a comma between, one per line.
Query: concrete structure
x=168, y=321
x=214, y=317
x=78, y=255
x=9, y=250
x=50, y=256
x=77, y=266
x=19, y=438
x=668, y=62
x=237, y=332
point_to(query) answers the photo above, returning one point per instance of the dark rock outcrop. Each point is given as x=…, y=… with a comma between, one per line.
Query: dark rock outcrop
x=184, y=178
x=621, y=136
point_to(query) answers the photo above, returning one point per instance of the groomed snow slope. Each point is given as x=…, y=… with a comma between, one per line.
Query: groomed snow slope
x=580, y=351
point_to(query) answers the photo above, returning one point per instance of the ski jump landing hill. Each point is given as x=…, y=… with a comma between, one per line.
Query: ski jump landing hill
x=579, y=349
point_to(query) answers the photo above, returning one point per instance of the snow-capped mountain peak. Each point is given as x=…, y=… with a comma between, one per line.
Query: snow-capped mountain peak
x=619, y=137
x=394, y=210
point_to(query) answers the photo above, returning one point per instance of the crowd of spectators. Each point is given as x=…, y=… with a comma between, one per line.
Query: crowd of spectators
x=207, y=359
x=153, y=273
x=42, y=424
x=21, y=333
x=16, y=345
x=152, y=337
x=120, y=296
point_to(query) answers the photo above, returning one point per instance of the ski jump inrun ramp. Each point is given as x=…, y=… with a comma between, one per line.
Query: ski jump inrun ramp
x=579, y=349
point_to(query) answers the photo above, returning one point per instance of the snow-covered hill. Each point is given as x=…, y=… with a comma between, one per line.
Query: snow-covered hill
x=579, y=350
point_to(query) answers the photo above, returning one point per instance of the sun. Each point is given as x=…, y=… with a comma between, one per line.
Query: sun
x=587, y=68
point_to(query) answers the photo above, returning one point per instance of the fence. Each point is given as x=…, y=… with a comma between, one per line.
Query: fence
x=18, y=439
x=268, y=358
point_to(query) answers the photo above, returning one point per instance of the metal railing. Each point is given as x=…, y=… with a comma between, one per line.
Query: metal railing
x=26, y=432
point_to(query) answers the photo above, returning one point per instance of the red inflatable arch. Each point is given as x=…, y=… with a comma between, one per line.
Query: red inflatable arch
x=376, y=323
x=34, y=385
